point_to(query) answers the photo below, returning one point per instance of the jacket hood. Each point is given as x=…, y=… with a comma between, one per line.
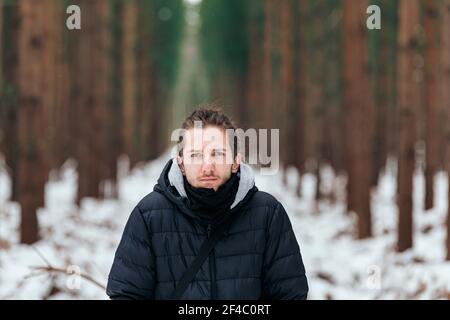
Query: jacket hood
x=170, y=183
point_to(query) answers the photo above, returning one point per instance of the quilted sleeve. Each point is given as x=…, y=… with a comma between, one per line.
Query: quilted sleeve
x=283, y=270
x=132, y=274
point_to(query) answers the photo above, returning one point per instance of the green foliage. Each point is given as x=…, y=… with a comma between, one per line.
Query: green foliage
x=164, y=30
x=224, y=35
x=387, y=36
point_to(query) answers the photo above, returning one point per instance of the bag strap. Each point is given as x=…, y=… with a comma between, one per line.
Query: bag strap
x=204, y=252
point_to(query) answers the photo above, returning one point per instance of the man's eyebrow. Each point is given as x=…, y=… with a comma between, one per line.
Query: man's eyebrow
x=220, y=149
x=194, y=150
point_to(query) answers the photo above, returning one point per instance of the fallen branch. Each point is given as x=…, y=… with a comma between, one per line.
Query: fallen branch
x=51, y=269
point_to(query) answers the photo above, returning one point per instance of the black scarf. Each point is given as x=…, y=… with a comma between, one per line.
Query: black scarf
x=210, y=204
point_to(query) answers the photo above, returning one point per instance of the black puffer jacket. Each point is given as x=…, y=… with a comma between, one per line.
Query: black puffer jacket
x=258, y=257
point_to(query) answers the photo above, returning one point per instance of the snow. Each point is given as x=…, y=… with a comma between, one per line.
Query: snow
x=84, y=239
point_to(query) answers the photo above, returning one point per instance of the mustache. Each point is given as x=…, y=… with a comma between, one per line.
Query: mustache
x=208, y=177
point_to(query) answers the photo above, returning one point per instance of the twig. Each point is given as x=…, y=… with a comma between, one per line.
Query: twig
x=41, y=256
x=51, y=269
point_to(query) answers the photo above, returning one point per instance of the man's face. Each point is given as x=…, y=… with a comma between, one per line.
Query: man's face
x=207, y=160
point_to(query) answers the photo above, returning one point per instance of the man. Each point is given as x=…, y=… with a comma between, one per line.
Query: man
x=200, y=196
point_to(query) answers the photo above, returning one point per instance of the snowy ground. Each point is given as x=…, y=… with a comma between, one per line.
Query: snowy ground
x=338, y=267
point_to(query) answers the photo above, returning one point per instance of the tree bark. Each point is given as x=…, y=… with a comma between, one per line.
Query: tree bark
x=445, y=9
x=146, y=90
x=408, y=91
x=2, y=40
x=10, y=94
x=267, y=63
x=90, y=97
x=112, y=35
x=358, y=112
x=300, y=91
x=129, y=87
x=35, y=79
x=431, y=100
x=62, y=139
x=287, y=85
x=383, y=96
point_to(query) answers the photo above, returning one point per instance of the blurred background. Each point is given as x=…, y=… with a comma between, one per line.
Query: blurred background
x=361, y=96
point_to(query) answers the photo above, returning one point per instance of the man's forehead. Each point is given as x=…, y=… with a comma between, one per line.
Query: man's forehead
x=206, y=136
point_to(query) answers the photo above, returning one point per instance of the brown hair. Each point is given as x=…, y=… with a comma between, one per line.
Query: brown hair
x=210, y=115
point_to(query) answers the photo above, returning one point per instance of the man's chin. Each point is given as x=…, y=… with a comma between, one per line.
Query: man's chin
x=210, y=185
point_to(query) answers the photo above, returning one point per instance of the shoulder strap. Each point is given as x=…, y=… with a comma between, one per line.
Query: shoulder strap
x=204, y=252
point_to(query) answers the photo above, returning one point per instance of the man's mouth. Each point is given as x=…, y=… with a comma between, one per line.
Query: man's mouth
x=208, y=179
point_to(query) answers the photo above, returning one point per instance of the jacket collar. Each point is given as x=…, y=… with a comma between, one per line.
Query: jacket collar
x=246, y=181
x=170, y=183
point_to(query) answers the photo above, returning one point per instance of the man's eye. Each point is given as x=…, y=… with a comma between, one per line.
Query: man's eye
x=196, y=155
x=219, y=154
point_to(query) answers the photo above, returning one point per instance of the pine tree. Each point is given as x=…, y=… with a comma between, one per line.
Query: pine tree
x=408, y=102
x=358, y=113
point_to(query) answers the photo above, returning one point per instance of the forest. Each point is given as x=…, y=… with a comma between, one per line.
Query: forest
x=363, y=115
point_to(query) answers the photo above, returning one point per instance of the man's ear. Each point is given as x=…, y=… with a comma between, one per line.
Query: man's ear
x=236, y=163
x=181, y=165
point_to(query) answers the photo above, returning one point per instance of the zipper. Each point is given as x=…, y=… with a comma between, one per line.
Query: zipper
x=212, y=266
x=208, y=229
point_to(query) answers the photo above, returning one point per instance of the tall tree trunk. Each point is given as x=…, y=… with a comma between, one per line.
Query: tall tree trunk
x=267, y=67
x=300, y=90
x=113, y=109
x=431, y=99
x=9, y=106
x=383, y=97
x=287, y=85
x=2, y=108
x=2, y=40
x=319, y=108
x=393, y=119
x=267, y=63
x=91, y=101
x=155, y=114
x=358, y=112
x=333, y=124
x=254, y=75
x=36, y=93
x=106, y=98
x=145, y=87
x=129, y=71
x=408, y=91
x=62, y=140
x=256, y=58
x=445, y=9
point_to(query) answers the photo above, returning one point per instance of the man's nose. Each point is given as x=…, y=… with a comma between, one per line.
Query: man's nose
x=207, y=165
